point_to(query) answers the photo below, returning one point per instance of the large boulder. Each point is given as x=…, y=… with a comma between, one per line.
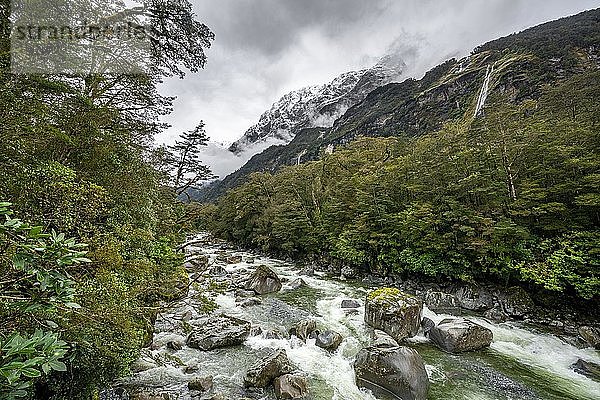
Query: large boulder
x=262, y=373
x=329, y=340
x=396, y=370
x=291, y=387
x=460, y=335
x=442, y=302
x=394, y=312
x=591, y=335
x=303, y=329
x=475, y=298
x=263, y=281
x=219, y=331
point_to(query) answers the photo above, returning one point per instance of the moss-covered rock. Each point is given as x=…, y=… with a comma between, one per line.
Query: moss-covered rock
x=394, y=312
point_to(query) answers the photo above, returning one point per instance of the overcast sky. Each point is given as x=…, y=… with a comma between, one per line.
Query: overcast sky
x=265, y=48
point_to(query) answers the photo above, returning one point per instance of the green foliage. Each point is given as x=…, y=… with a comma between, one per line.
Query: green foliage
x=36, y=284
x=509, y=197
x=77, y=157
x=38, y=277
x=572, y=259
x=25, y=358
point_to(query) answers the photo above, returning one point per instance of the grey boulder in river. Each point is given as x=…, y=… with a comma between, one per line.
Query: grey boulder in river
x=263, y=281
x=398, y=371
x=457, y=335
x=219, y=331
x=394, y=312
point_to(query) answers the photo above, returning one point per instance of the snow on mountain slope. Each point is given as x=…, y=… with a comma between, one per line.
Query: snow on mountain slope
x=317, y=106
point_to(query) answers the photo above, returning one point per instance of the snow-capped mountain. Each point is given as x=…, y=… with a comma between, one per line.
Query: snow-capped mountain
x=319, y=105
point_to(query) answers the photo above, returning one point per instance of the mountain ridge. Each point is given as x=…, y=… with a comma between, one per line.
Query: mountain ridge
x=523, y=63
x=319, y=105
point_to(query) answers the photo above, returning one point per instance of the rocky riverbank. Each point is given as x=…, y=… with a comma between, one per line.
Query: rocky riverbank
x=252, y=327
x=574, y=319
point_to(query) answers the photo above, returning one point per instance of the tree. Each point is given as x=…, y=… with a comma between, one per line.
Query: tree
x=183, y=161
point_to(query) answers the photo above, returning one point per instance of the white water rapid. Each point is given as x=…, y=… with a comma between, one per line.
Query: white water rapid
x=521, y=363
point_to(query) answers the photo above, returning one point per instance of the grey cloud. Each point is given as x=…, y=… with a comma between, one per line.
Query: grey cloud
x=271, y=26
x=265, y=48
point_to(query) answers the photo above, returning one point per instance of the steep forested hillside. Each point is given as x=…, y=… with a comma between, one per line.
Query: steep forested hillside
x=520, y=66
x=88, y=218
x=507, y=192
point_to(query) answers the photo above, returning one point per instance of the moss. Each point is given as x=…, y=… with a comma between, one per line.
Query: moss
x=385, y=294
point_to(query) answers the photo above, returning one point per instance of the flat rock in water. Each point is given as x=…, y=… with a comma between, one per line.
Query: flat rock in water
x=460, y=335
x=284, y=313
x=588, y=369
x=350, y=303
x=219, y=331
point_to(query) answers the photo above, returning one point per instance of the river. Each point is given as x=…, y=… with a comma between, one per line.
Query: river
x=521, y=363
